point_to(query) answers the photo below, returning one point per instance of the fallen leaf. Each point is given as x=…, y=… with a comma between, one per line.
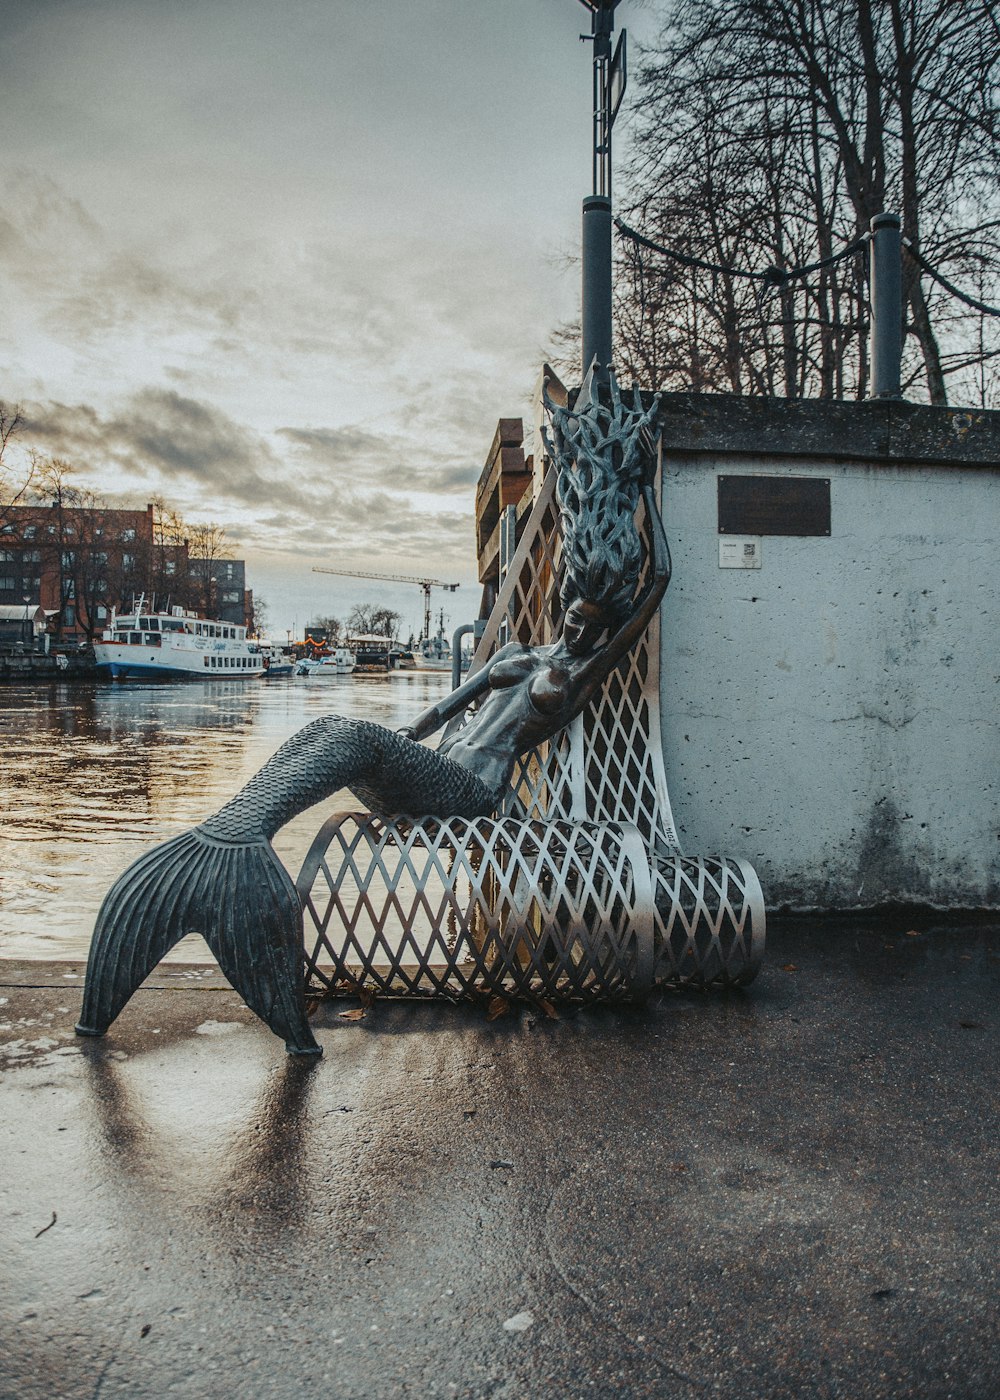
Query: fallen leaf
x=548, y=1008
x=912, y=933
x=499, y=1162
x=357, y=1013
x=520, y=1322
x=971, y=1025
x=146, y=1329
x=496, y=1007
x=789, y=967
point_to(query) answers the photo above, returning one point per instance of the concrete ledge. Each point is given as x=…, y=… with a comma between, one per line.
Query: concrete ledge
x=876, y=432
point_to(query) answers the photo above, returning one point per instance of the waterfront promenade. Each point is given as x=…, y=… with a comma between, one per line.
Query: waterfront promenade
x=787, y=1192
x=790, y=1192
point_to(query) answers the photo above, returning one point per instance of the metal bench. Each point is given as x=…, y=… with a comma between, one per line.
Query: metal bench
x=576, y=890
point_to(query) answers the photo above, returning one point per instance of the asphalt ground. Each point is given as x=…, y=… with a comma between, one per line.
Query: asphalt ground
x=790, y=1191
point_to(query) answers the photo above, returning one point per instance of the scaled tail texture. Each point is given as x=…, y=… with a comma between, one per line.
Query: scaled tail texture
x=238, y=896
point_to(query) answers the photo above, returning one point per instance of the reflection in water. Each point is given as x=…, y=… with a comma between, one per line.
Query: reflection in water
x=268, y=1184
x=92, y=775
x=257, y=1179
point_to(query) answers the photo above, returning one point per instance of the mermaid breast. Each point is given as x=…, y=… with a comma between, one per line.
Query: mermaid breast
x=549, y=690
x=513, y=669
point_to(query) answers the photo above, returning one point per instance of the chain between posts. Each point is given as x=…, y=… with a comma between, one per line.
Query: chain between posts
x=774, y=277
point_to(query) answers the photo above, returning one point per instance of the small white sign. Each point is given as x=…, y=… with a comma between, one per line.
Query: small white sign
x=739, y=552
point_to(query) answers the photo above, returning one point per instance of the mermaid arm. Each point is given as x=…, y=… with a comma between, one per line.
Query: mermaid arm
x=457, y=701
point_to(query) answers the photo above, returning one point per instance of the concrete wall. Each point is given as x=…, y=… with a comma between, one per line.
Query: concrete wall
x=833, y=716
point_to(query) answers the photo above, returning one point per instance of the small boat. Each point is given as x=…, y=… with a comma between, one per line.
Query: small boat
x=276, y=662
x=339, y=662
x=148, y=645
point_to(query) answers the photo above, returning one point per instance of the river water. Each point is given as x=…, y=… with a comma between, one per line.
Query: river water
x=91, y=775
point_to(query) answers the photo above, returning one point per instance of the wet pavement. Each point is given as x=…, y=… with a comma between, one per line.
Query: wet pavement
x=791, y=1191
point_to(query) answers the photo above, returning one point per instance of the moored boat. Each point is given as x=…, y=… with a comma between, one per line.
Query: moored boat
x=373, y=652
x=339, y=662
x=276, y=662
x=147, y=645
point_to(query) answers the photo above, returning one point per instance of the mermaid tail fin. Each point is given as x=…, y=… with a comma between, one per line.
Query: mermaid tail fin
x=241, y=900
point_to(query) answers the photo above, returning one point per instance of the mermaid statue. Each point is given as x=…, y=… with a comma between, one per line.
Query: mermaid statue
x=223, y=880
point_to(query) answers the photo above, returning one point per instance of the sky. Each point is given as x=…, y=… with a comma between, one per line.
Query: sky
x=285, y=265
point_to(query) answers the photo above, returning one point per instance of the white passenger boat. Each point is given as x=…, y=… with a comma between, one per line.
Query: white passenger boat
x=144, y=644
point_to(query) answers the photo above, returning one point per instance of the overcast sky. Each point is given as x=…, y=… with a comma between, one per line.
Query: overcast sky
x=286, y=264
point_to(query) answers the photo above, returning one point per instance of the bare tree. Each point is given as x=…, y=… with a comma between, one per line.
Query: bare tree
x=330, y=627
x=370, y=618
x=83, y=549
x=207, y=547
x=769, y=132
x=12, y=488
x=259, y=618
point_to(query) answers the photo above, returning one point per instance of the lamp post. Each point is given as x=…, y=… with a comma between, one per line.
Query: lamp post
x=608, y=90
x=24, y=624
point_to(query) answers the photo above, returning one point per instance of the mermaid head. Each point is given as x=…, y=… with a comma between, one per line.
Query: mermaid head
x=603, y=453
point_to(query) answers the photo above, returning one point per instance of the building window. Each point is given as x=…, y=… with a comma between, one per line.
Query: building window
x=128, y=560
x=7, y=584
x=170, y=568
x=7, y=555
x=69, y=616
x=68, y=559
x=28, y=533
x=102, y=612
x=128, y=536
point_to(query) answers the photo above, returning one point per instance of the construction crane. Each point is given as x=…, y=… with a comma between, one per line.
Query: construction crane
x=425, y=584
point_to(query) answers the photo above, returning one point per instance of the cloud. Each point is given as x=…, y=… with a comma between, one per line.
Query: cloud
x=161, y=435
x=320, y=491
x=383, y=459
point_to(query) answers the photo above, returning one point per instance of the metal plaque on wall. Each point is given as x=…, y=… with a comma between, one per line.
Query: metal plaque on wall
x=774, y=505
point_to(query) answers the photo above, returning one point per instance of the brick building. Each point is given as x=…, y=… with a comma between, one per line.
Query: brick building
x=77, y=563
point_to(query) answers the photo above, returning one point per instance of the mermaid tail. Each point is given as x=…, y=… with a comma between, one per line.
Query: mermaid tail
x=238, y=896
x=223, y=880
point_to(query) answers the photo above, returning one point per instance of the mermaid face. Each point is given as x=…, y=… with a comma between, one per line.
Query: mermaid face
x=583, y=624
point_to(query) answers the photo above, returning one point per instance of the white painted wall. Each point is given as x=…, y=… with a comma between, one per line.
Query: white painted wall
x=834, y=717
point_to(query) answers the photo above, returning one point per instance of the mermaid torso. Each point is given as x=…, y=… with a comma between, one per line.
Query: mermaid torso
x=527, y=691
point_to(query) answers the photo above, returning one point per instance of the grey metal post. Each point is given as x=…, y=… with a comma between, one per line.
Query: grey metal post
x=466, y=630
x=597, y=285
x=886, y=306
x=609, y=88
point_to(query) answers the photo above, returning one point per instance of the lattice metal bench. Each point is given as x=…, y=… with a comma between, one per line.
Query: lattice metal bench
x=577, y=890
